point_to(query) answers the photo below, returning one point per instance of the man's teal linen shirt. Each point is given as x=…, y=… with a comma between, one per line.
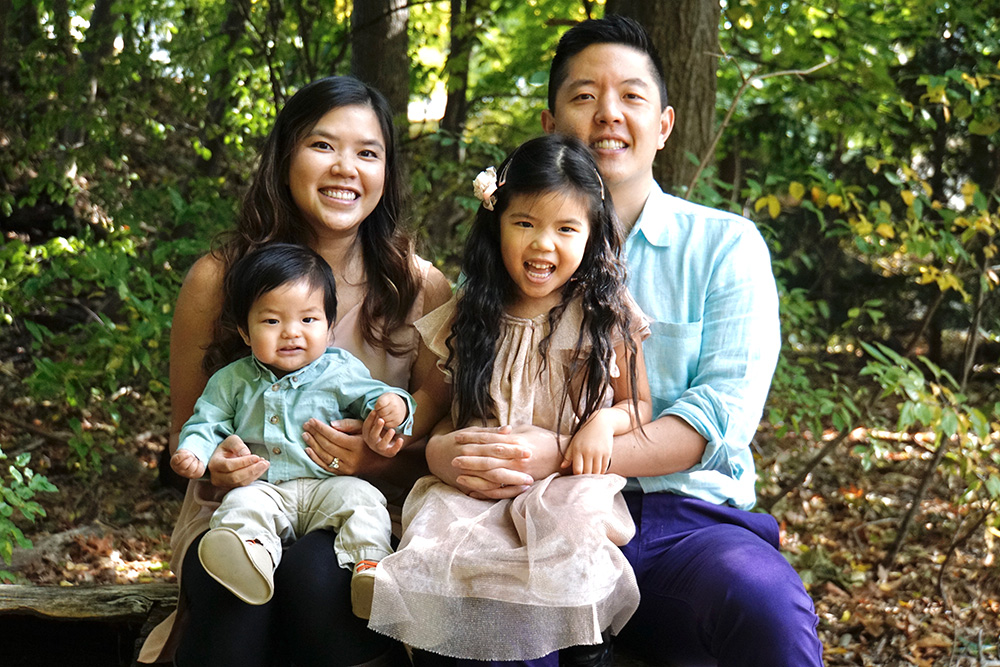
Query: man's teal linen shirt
x=247, y=399
x=704, y=279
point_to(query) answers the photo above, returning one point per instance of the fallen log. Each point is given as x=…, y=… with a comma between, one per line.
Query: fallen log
x=108, y=603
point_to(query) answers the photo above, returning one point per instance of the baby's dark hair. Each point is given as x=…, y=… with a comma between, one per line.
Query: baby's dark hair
x=270, y=267
x=549, y=164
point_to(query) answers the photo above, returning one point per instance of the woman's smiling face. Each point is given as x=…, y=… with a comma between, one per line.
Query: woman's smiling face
x=337, y=171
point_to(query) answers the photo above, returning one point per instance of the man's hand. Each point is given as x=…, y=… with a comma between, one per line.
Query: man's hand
x=233, y=465
x=494, y=462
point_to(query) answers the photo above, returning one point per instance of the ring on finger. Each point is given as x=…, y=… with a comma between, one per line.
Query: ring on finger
x=335, y=463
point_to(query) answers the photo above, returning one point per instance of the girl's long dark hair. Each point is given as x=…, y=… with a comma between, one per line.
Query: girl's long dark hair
x=552, y=163
x=268, y=214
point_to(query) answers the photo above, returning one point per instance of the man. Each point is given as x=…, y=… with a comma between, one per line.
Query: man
x=715, y=589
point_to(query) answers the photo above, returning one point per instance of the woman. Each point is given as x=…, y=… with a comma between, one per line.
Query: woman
x=328, y=178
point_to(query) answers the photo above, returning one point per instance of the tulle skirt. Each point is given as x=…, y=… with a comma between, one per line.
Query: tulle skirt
x=509, y=579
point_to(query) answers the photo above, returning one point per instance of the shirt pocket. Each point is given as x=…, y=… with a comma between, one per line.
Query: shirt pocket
x=671, y=351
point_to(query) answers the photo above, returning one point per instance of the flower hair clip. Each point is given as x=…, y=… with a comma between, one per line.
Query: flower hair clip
x=485, y=187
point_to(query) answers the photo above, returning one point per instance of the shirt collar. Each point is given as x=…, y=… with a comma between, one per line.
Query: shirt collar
x=652, y=218
x=295, y=379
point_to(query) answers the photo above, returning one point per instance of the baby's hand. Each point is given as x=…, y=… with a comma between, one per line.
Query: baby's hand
x=380, y=438
x=589, y=451
x=391, y=408
x=186, y=464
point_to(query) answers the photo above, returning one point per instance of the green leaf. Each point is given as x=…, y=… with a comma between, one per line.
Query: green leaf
x=985, y=127
x=949, y=423
x=993, y=486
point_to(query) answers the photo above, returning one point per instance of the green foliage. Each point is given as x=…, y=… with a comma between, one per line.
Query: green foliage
x=18, y=487
x=931, y=399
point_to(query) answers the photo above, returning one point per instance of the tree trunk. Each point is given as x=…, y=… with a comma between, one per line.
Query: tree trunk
x=379, y=54
x=219, y=93
x=462, y=25
x=99, y=43
x=686, y=33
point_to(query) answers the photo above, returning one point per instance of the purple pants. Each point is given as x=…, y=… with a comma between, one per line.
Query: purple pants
x=715, y=590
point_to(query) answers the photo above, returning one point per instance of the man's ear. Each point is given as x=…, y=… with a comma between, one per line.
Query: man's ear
x=548, y=122
x=244, y=335
x=666, y=126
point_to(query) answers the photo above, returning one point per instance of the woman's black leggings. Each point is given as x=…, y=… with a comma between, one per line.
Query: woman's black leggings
x=307, y=622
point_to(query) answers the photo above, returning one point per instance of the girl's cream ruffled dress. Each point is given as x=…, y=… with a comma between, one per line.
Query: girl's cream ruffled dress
x=512, y=579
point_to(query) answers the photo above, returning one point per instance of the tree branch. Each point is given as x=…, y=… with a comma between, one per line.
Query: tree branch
x=955, y=544
x=747, y=81
x=60, y=438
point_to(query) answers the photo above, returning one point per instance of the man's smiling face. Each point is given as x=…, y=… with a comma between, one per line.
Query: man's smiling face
x=611, y=101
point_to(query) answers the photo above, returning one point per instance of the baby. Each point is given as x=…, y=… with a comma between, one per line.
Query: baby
x=282, y=297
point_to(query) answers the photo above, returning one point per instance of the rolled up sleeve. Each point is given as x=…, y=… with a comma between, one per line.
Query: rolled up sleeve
x=708, y=287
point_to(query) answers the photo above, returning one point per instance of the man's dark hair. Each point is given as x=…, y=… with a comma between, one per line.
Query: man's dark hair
x=612, y=29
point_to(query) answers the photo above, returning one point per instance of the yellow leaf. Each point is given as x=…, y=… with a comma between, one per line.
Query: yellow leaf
x=862, y=227
x=818, y=196
x=773, y=206
x=949, y=281
x=796, y=190
x=885, y=230
x=835, y=201
x=968, y=191
x=846, y=616
x=759, y=204
x=908, y=197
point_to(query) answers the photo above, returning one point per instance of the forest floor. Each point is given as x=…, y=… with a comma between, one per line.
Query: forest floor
x=938, y=604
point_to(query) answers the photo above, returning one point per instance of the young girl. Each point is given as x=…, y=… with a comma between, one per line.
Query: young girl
x=544, y=333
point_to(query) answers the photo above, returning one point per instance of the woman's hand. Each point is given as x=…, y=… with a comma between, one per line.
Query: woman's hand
x=340, y=442
x=233, y=465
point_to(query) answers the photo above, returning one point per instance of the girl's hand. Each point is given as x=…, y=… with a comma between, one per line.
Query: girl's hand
x=589, y=451
x=379, y=438
x=233, y=465
x=186, y=464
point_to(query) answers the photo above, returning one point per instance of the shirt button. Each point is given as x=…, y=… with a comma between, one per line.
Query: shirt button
x=296, y=378
x=276, y=450
x=274, y=419
x=275, y=387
